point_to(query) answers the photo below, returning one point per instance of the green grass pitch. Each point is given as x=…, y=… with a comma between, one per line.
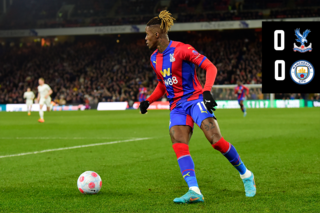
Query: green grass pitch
x=281, y=147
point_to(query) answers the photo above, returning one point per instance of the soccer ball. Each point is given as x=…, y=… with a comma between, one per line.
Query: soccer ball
x=89, y=182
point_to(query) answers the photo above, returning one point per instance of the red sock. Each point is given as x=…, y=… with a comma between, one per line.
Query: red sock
x=181, y=149
x=228, y=151
x=186, y=164
x=222, y=145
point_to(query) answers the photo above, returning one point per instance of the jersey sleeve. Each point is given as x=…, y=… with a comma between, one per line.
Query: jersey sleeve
x=24, y=95
x=48, y=87
x=211, y=73
x=188, y=53
x=157, y=93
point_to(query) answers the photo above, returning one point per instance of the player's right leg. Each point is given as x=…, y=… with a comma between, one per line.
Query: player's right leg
x=48, y=104
x=181, y=126
x=41, y=102
x=28, y=108
x=243, y=109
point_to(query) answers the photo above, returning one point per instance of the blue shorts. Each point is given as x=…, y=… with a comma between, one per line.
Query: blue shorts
x=241, y=99
x=188, y=113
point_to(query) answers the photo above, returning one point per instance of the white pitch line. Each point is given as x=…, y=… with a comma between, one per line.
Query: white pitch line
x=52, y=138
x=72, y=147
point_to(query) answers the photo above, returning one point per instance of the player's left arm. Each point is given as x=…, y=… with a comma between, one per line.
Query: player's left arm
x=190, y=54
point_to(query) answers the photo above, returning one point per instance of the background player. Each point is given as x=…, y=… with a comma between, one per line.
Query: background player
x=44, y=92
x=29, y=96
x=142, y=93
x=240, y=91
x=173, y=63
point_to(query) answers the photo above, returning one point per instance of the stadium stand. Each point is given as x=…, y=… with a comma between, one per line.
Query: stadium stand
x=295, y=13
x=132, y=7
x=183, y=6
x=94, y=70
x=40, y=14
x=209, y=5
x=223, y=16
x=99, y=70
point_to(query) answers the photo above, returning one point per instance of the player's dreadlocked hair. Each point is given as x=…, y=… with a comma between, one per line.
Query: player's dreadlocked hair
x=165, y=20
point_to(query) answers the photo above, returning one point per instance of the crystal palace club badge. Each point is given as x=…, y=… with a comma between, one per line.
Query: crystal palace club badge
x=302, y=39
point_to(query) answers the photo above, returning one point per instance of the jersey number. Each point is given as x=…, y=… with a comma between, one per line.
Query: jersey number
x=200, y=107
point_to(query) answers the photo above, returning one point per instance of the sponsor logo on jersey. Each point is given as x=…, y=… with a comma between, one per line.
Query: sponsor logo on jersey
x=165, y=72
x=195, y=52
x=302, y=72
x=302, y=39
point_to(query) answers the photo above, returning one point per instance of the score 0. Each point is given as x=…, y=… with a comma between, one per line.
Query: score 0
x=279, y=62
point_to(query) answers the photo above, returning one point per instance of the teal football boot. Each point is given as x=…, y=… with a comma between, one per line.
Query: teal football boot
x=190, y=197
x=250, y=186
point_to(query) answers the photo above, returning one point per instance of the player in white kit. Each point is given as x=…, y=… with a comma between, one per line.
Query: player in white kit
x=29, y=96
x=44, y=92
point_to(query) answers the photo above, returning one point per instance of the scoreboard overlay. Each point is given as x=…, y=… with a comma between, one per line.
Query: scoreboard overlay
x=290, y=57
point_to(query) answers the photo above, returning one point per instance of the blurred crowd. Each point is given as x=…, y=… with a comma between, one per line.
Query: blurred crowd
x=90, y=70
x=77, y=73
x=94, y=70
x=142, y=19
x=70, y=13
x=235, y=60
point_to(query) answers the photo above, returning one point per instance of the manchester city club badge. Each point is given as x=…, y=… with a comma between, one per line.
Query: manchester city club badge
x=302, y=72
x=302, y=39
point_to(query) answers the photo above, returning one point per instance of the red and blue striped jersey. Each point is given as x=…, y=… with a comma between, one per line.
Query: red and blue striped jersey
x=142, y=93
x=175, y=67
x=240, y=90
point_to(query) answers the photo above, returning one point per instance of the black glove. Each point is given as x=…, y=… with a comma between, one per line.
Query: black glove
x=209, y=101
x=144, y=106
